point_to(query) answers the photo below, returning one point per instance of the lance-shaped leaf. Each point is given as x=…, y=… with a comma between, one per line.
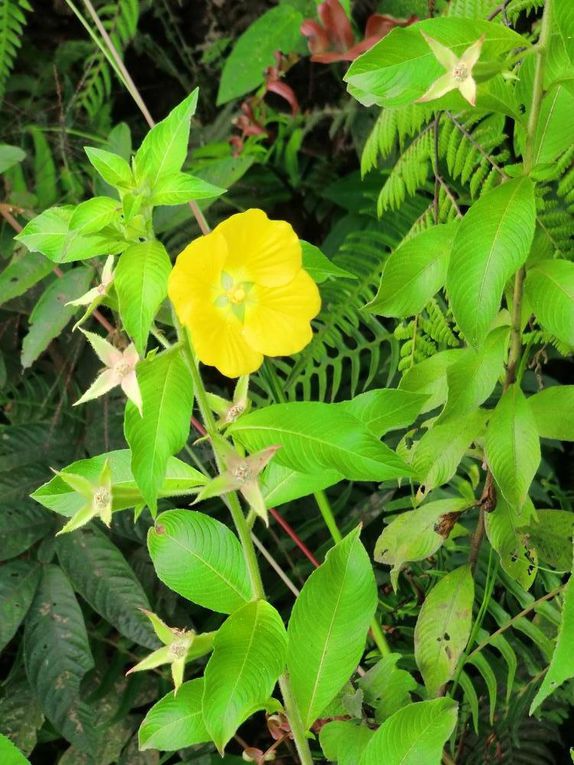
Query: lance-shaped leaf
x=439, y=452
x=512, y=446
x=549, y=287
x=200, y=559
x=319, y=267
x=141, y=286
x=248, y=657
x=179, y=188
x=18, y=583
x=316, y=436
x=562, y=665
x=343, y=741
x=387, y=688
x=415, y=735
x=472, y=378
x=167, y=395
x=443, y=628
x=164, y=149
x=112, y=168
x=176, y=720
x=328, y=626
x=492, y=242
x=553, y=410
x=414, y=272
x=386, y=409
x=417, y=534
x=429, y=377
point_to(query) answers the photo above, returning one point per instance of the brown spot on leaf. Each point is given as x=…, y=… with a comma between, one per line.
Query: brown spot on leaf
x=445, y=524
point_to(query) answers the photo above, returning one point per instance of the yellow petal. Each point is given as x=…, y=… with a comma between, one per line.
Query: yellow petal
x=444, y=55
x=472, y=53
x=217, y=339
x=439, y=88
x=196, y=275
x=277, y=323
x=260, y=250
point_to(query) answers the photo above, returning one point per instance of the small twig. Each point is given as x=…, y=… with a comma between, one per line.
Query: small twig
x=499, y=9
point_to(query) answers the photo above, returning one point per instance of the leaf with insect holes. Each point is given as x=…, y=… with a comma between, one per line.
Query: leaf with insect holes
x=328, y=626
x=443, y=628
x=507, y=531
x=417, y=534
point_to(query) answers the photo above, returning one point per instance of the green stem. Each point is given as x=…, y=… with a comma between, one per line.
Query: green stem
x=295, y=722
x=243, y=531
x=233, y=503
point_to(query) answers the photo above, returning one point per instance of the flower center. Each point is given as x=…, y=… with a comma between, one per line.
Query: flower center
x=236, y=294
x=242, y=472
x=123, y=368
x=460, y=72
x=179, y=648
x=102, y=497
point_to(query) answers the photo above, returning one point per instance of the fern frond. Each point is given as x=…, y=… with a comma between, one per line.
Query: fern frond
x=432, y=330
x=410, y=174
x=350, y=347
x=120, y=20
x=12, y=23
x=475, y=9
x=393, y=127
x=516, y=7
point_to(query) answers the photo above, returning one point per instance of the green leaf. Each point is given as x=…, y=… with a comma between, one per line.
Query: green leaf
x=553, y=410
x=94, y=214
x=508, y=533
x=429, y=377
x=200, y=559
x=248, y=656
x=167, y=394
x=328, y=626
x=24, y=271
x=439, y=452
x=562, y=665
x=512, y=446
x=21, y=527
x=51, y=314
x=175, y=721
x=387, y=688
x=386, y=409
x=20, y=714
x=18, y=583
x=549, y=287
x=112, y=168
x=164, y=149
x=551, y=535
x=552, y=136
x=417, y=534
x=50, y=234
x=414, y=272
x=318, y=265
x=443, y=628
x=46, y=188
x=344, y=741
x=10, y=156
x=57, y=495
x=401, y=67
x=140, y=279
x=9, y=754
x=280, y=484
x=244, y=70
x=57, y=656
x=472, y=378
x=101, y=575
x=178, y=188
x=314, y=436
x=415, y=735
x=492, y=242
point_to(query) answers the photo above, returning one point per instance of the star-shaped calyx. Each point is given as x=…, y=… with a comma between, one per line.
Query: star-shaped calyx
x=97, y=495
x=458, y=71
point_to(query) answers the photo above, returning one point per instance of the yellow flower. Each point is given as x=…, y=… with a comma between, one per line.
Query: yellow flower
x=242, y=293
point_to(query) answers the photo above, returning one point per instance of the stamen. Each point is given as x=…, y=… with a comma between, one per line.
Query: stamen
x=460, y=72
x=102, y=497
